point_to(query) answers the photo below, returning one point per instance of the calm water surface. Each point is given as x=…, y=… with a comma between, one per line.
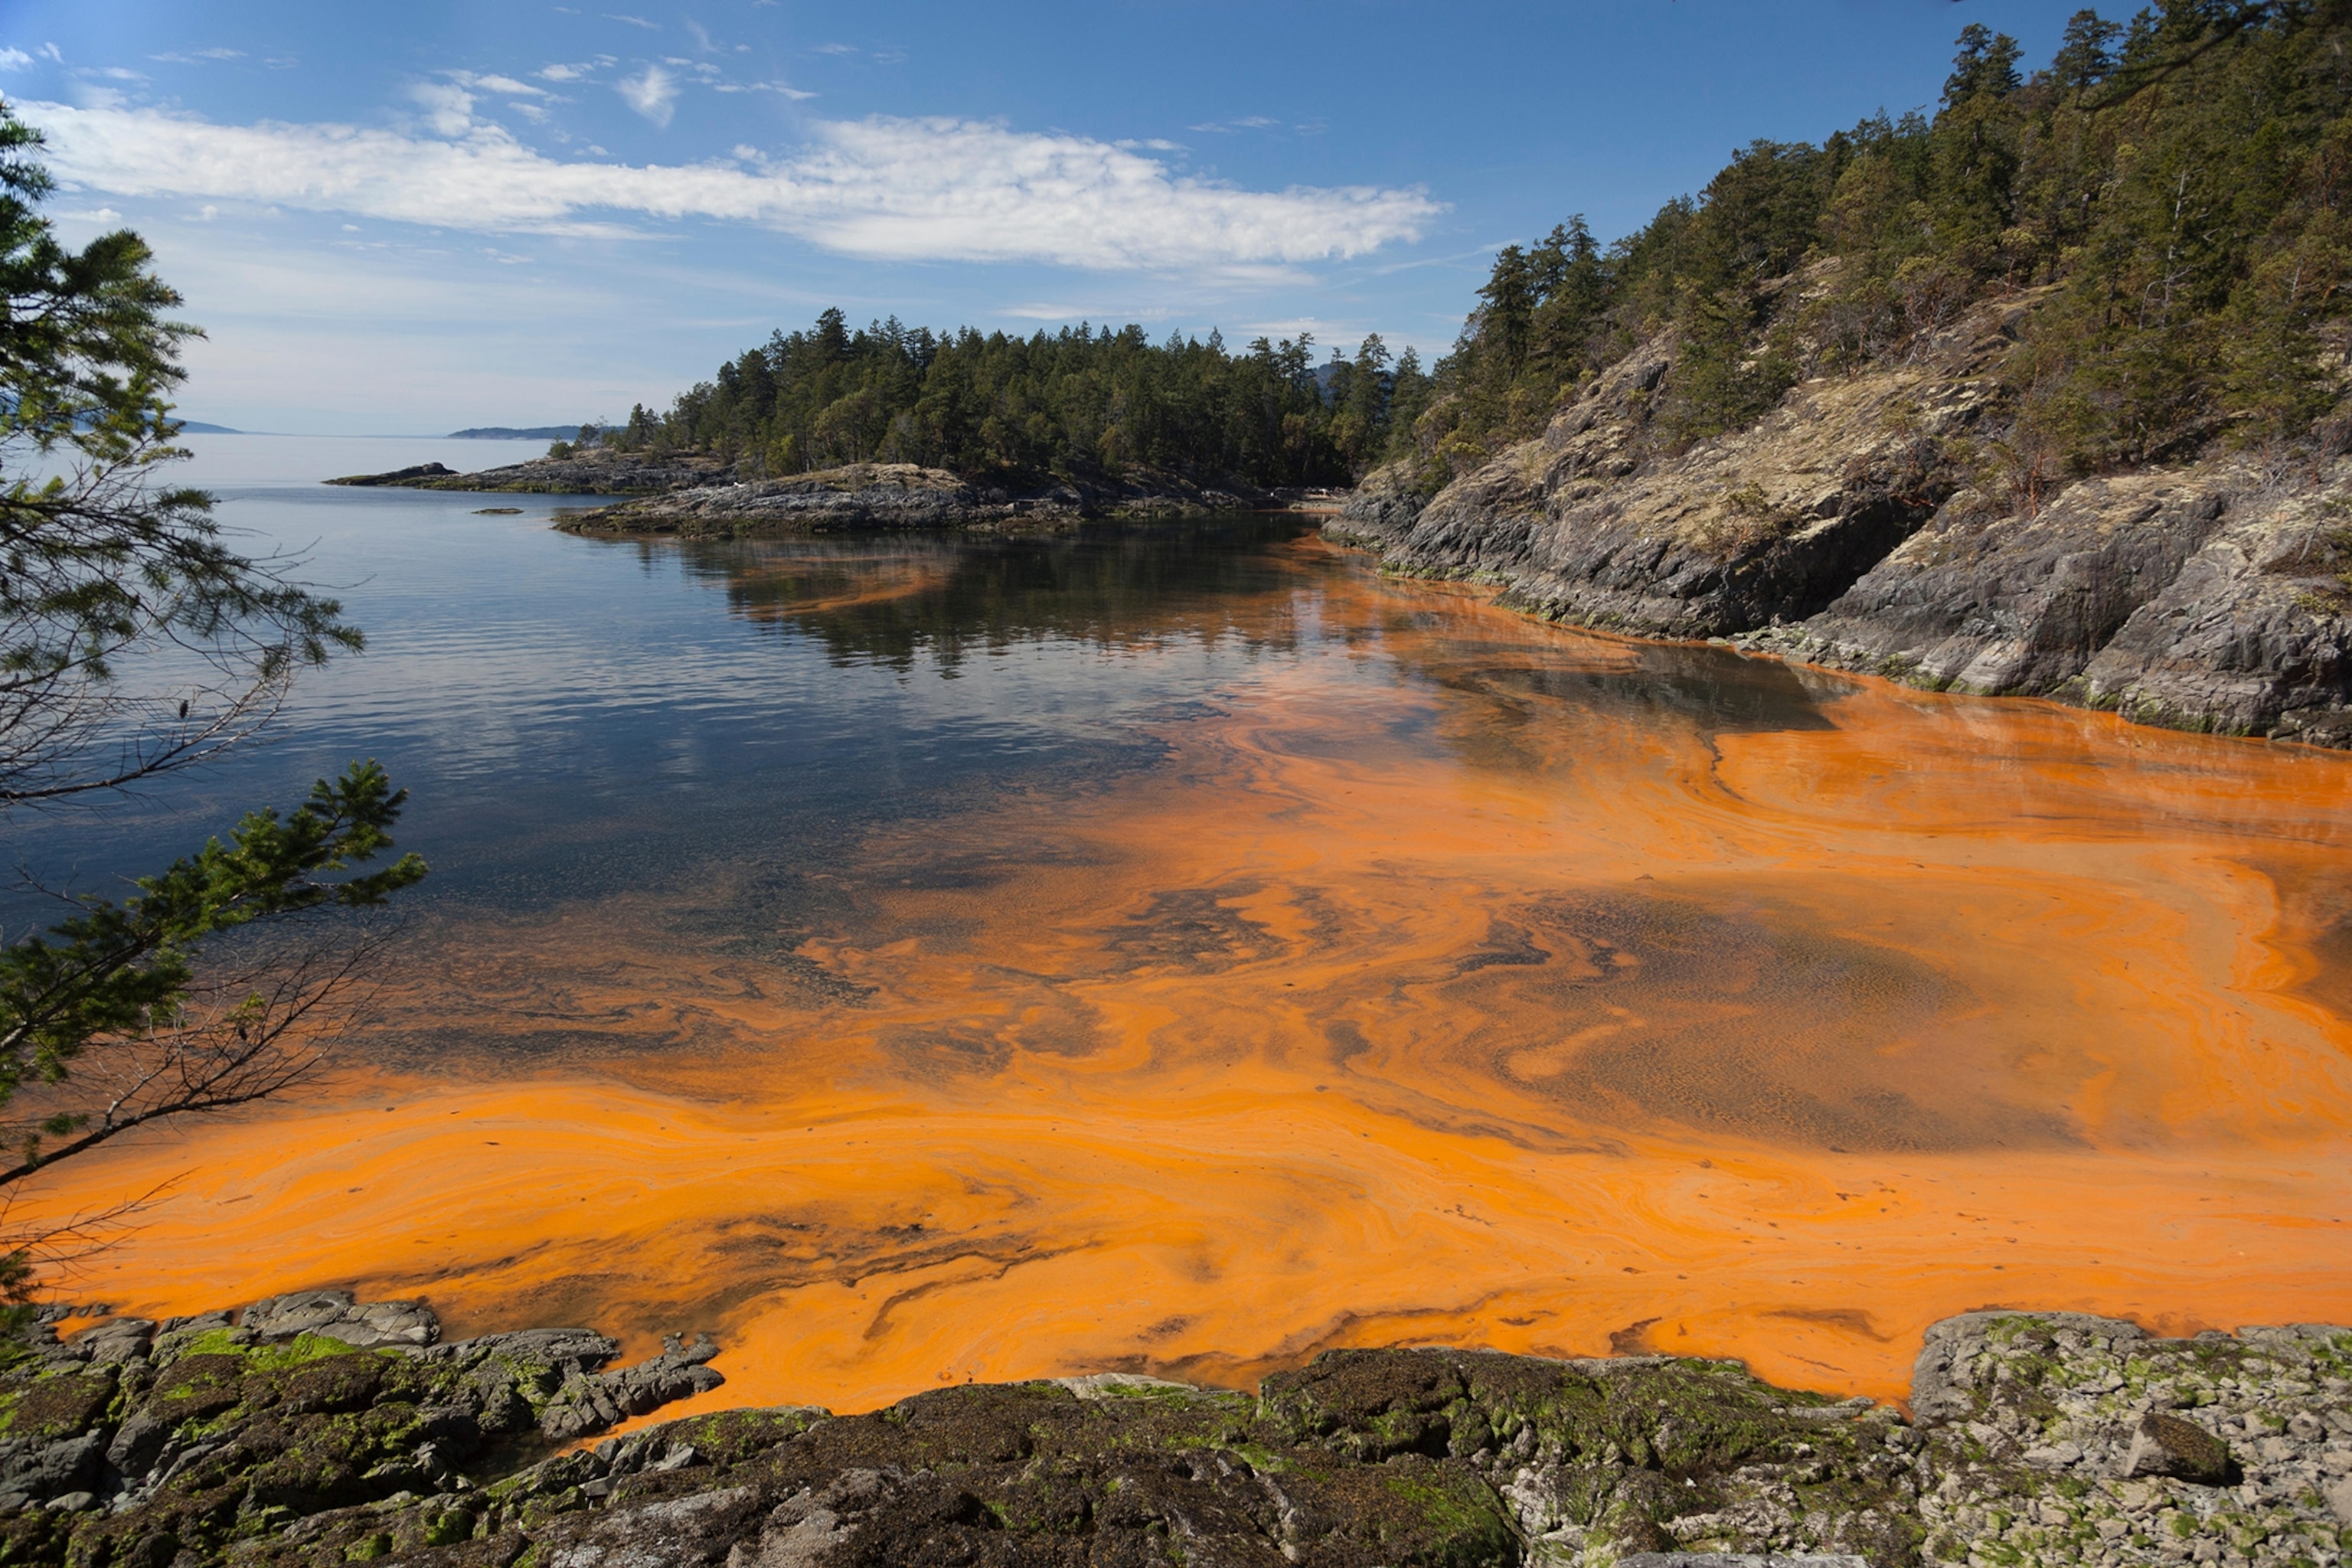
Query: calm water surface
x=1172, y=946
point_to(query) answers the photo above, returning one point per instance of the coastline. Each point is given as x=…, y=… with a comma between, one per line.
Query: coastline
x=317, y=1429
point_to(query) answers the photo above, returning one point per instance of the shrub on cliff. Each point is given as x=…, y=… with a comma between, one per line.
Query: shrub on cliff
x=135, y=641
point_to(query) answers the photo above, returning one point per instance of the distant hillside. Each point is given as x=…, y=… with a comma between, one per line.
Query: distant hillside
x=527, y=433
x=198, y=427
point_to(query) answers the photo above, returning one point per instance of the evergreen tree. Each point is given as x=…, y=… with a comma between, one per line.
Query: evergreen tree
x=132, y=1012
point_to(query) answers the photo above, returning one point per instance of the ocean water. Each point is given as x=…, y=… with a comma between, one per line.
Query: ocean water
x=1175, y=946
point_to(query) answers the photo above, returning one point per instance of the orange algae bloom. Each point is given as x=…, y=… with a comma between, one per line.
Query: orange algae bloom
x=1452, y=979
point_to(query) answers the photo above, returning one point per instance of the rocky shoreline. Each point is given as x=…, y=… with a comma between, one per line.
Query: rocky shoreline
x=690, y=496
x=312, y=1429
x=1870, y=523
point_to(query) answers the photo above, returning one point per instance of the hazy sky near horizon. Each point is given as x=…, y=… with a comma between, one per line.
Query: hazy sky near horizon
x=406, y=219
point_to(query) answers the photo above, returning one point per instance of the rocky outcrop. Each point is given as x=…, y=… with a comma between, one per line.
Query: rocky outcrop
x=1856, y=526
x=864, y=497
x=588, y=471
x=2199, y=598
x=691, y=496
x=1591, y=524
x=2031, y=1438
x=199, y=1432
x=874, y=497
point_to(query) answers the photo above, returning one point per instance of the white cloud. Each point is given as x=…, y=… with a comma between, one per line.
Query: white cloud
x=701, y=36
x=837, y=49
x=14, y=59
x=633, y=22
x=505, y=84
x=891, y=189
x=653, y=93
x=561, y=72
x=447, y=107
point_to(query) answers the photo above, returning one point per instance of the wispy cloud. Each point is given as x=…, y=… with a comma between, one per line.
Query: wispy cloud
x=14, y=59
x=501, y=84
x=652, y=93
x=837, y=49
x=931, y=189
x=782, y=88
x=1048, y=311
x=1231, y=127
x=633, y=22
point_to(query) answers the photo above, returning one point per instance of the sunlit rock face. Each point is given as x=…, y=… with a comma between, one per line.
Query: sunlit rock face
x=1858, y=525
x=1449, y=979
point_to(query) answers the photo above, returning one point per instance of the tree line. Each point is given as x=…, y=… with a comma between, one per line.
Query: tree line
x=1074, y=403
x=2169, y=193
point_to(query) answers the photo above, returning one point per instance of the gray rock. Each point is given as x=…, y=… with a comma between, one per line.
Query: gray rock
x=117, y=1341
x=693, y=1532
x=55, y=1470
x=2166, y=1446
x=336, y=1315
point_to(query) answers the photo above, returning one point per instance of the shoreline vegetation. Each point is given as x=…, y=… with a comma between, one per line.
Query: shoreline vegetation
x=315, y=1430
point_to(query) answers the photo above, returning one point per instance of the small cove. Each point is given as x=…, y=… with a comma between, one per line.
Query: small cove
x=1174, y=947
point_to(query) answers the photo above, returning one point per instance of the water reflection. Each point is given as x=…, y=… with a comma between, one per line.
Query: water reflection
x=1173, y=946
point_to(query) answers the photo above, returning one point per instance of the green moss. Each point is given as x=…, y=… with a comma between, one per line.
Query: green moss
x=296, y=1352
x=1465, y=1516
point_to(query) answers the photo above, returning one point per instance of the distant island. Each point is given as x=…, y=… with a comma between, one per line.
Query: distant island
x=198, y=427
x=522, y=433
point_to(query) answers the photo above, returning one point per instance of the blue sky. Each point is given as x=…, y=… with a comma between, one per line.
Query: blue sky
x=407, y=219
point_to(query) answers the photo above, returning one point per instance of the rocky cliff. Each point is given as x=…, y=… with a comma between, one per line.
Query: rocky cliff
x=314, y=1430
x=1870, y=523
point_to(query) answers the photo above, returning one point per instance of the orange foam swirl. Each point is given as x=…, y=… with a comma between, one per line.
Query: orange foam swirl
x=1434, y=990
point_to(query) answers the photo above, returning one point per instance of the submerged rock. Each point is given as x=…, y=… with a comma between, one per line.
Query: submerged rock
x=2040, y=1439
